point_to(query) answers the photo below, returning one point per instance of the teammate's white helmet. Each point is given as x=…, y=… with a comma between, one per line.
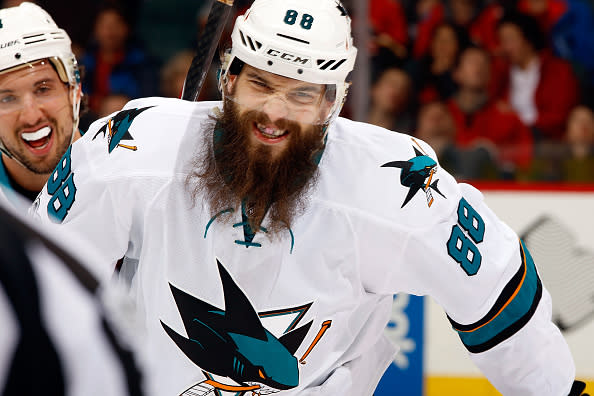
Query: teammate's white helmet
x=28, y=34
x=307, y=40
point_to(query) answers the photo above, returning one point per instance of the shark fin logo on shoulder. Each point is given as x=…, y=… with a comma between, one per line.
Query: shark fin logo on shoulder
x=417, y=174
x=117, y=129
x=238, y=349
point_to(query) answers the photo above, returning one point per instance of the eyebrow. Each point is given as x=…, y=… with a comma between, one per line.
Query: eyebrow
x=304, y=88
x=257, y=77
x=44, y=80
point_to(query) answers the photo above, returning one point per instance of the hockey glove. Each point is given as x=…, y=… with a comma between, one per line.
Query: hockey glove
x=577, y=389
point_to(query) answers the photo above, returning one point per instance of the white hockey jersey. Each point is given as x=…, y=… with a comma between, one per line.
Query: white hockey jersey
x=302, y=313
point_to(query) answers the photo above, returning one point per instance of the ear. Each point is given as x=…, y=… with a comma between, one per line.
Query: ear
x=230, y=83
x=76, y=93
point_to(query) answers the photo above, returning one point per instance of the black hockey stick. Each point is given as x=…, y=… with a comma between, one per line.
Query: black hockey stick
x=207, y=44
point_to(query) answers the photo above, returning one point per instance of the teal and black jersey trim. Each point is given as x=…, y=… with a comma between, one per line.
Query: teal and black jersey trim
x=512, y=310
x=4, y=180
x=6, y=186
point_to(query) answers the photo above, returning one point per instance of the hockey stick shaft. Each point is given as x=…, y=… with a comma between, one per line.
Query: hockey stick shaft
x=207, y=44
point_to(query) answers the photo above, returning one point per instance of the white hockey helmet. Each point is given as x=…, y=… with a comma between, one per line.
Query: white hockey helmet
x=307, y=40
x=29, y=34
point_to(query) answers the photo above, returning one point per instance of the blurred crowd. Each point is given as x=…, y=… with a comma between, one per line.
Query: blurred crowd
x=502, y=90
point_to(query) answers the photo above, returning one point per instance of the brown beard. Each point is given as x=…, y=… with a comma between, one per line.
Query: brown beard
x=231, y=169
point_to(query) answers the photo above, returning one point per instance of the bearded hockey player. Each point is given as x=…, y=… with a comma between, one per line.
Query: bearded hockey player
x=40, y=96
x=263, y=236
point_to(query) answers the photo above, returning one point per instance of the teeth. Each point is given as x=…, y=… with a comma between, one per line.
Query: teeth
x=270, y=131
x=39, y=134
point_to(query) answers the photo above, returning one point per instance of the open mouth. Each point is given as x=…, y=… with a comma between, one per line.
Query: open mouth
x=38, y=139
x=269, y=134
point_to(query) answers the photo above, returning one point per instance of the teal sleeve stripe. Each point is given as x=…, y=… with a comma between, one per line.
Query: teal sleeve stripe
x=513, y=316
x=4, y=181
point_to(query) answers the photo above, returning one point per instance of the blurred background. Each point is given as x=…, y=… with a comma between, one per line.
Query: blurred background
x=502, y=90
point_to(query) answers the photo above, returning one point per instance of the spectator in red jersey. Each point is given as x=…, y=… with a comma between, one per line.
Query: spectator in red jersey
x=391, y=97
x=480, y=121
x=539, y=87
x=390, y=32
x=432, y=73
x=478, y=19
x=430, y=13
x=436, y=127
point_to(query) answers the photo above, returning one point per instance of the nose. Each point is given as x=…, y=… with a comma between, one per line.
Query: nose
x=31, y=112
x=276, y=108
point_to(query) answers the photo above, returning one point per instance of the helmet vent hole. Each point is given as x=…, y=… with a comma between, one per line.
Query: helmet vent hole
x=327, y=64
x=35, y=41
x=32, y=36
x=252, y=46
x=258, y=44
x=300, y=71
x=269, y=63
x=320, y=61
x=17, y=55
x=337, y=65
x=242, y=38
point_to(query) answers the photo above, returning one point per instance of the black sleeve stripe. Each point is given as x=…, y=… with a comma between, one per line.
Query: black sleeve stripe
x=513, y=309
x=511, y=330
x=508, y=291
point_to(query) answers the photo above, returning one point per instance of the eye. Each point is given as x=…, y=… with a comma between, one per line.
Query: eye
x=303, y=97
x=7, y=99
x=43, y=89
x=261, y=374
x=260, y=85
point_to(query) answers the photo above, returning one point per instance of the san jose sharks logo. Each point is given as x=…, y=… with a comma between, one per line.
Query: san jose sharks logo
x=235, y=351
x=417, y=174
x=117, y=129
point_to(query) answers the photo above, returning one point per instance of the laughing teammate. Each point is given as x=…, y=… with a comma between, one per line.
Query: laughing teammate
x=39, y=98
x=263, y=236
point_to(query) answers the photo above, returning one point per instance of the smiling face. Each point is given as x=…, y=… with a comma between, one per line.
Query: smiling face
x=266, y=146
x=276, y=110
x=35, y=118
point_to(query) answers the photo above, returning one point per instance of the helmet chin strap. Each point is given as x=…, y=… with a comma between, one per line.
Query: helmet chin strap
x=8, y=154
x=75, y=98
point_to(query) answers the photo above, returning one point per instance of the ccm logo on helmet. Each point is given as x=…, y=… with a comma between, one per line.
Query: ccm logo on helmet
x=288, y=57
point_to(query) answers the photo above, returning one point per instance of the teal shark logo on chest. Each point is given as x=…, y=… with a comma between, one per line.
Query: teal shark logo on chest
x=233, y=343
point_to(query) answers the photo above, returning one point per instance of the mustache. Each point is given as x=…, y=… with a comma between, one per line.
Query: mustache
x=231, y=169
x=260, y=117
